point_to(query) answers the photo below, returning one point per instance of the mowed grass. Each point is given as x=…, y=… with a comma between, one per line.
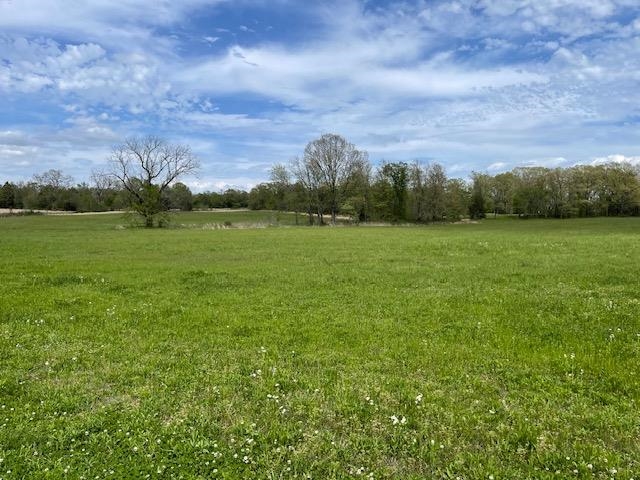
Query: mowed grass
x=505, y=349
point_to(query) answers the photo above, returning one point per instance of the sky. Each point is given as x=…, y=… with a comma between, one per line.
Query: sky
x=475, y=85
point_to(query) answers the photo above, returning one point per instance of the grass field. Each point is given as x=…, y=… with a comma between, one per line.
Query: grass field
x=508, y=349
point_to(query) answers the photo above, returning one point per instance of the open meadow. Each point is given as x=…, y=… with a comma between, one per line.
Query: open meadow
x=507, y=349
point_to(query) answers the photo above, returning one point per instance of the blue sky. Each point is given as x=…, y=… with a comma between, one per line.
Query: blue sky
x=476, y=85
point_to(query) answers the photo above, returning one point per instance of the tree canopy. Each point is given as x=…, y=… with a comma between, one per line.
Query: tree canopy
x=334, y=178
x=145, y=167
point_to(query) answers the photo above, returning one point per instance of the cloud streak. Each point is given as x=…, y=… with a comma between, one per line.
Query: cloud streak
x=474, y=84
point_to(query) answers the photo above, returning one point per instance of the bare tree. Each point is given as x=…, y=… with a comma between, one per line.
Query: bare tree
x=311, y=187
x=281, y=181
x=145, y=167
x=331, y=160
x=280, y=175
x=51, y=189
x=53, y=179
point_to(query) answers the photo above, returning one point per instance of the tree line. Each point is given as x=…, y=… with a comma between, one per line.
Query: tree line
x=334, y=179
x=52, y=190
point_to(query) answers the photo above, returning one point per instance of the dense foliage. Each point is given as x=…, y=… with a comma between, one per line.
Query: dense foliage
x=44, y=195
x=416, y=193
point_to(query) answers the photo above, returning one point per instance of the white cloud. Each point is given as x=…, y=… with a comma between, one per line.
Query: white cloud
x=616, y=158
x=550, y=162
x=4, y=151
x=222, y=121
x=82, y=144
x=218, y=184
x=130, y=80
x=497, y=166
x=322, y=77
x=459, y=81
x=125, y=24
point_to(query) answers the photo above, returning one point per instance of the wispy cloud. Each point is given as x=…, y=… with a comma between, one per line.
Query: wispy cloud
x=473, y=84
x=616, y=158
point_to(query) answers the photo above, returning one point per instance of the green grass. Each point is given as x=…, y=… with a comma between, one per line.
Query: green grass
x=238, y=219
x=508, y=348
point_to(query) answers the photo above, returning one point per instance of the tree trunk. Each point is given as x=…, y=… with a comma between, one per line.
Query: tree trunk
x=310, y=213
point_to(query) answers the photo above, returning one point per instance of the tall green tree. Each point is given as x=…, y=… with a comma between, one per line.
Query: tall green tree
x=479, y=193
x=180, y=197
x=8, y=195
x=357, y=193
x=623, y=192
x=531, y=197
x=502, y=191
x=436, y=193
x=396, y=175
x=457, y=198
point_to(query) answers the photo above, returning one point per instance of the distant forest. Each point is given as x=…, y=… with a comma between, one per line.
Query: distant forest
x=393, y=192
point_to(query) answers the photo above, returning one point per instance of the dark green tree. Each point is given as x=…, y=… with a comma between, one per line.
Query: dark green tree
x=8, y=195
x=436, y=193
x=478, y=203
x=457, y=199
x=180, y=197
x=397, y=177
